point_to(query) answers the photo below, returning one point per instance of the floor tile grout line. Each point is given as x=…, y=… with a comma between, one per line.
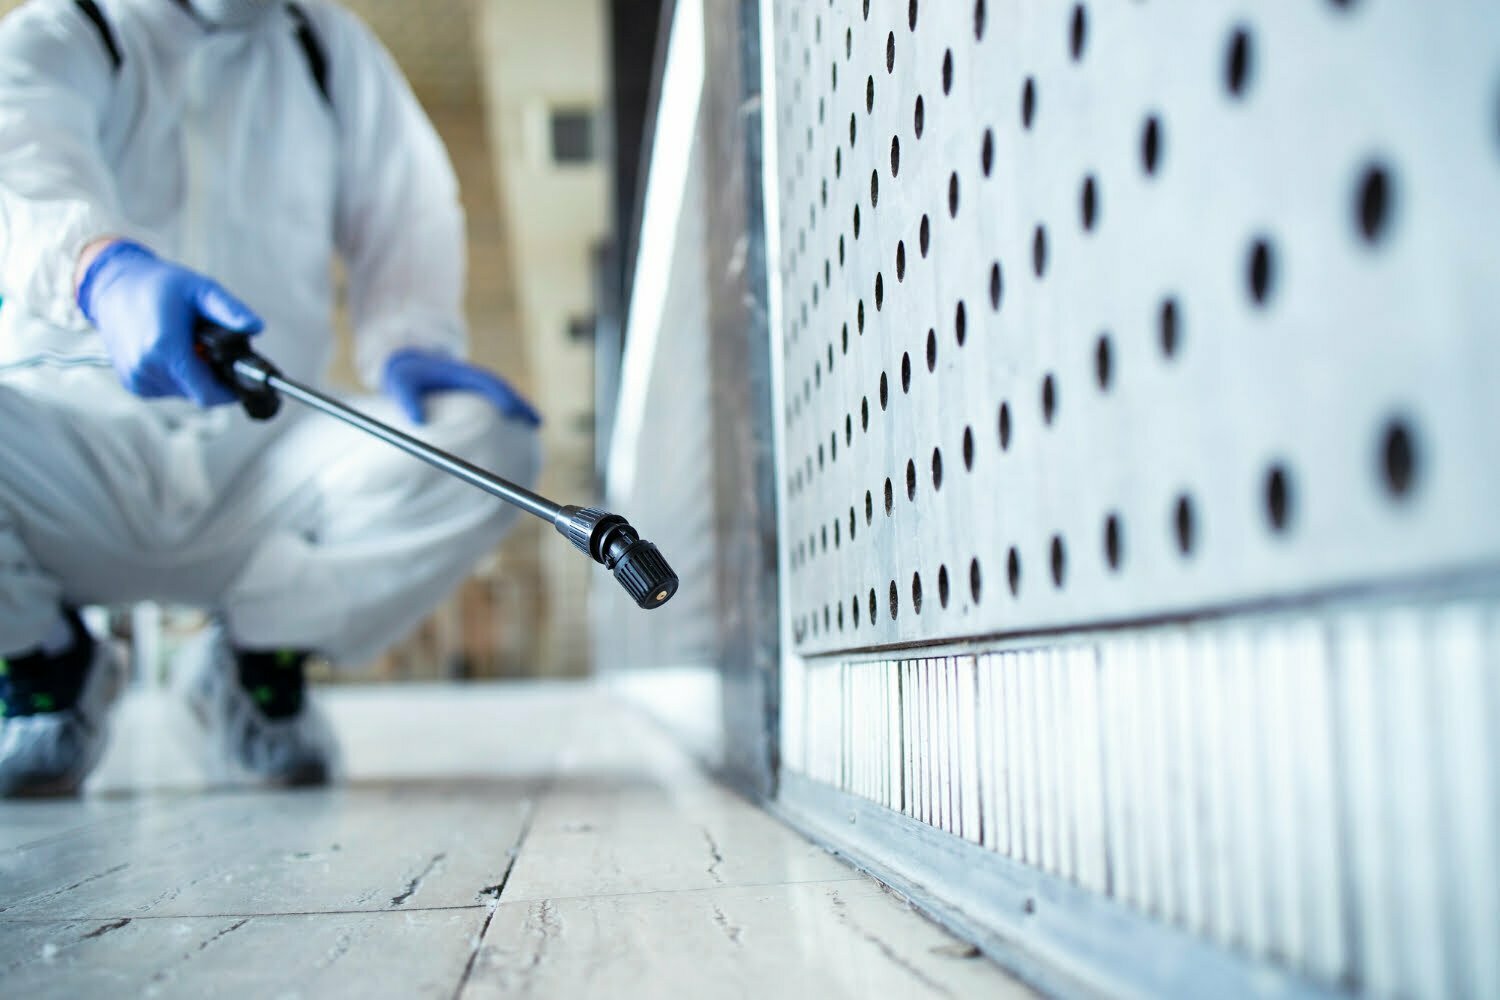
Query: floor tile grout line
x=854, y=877
x=494, y=905
x=457, y=907
x=63, y=919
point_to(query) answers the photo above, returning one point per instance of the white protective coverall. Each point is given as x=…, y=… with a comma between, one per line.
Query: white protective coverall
x=217, y=150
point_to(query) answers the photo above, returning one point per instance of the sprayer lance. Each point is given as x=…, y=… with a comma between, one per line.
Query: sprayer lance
x=606, y=538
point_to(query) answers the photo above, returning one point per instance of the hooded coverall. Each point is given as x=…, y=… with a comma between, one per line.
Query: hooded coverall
x=217, y=150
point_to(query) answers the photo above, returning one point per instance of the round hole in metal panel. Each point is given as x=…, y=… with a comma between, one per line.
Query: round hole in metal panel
x=1113, y=541
x=911, y=480
x=895, y=601
x=1088, y=208
x=931, y=350
x=918, y=117
x=1261, y=273
x=1004, y=426
x=953, y=195
x=924, y=235
x=895, y=155
x=890, y=51
x=1169, y=327
x=1077, y=32
x=1373, y=202
x=854, y=610
x=900, y=260
x=948, y=71
x=1184, y=524
x=974, y=580
x=1059, y=562
x=987, y=153
x=937, y=468
x=997, y=285
x=1104, y=364
x=905, y=373
x=1399, y=459
x=864, y=413
x=943, y=585
x=968, y=448
x=916, y=593
x=1013, y=571
x=1049, y=398
x=874, y=188
x=869, y=94
x=979, y=17
x=879, y=291
x=1239, y=61
x=890, y=497
x=1278, y=494
x=1028, y=102
x=1039, y=251
x=872, y=605
x=869, y=507
x=1151, y=144
x=885, y=391
x=960, y=324
x=911, y=15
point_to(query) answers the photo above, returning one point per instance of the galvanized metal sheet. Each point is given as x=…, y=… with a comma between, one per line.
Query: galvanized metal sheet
x=1108, y=316
x=1102, y=311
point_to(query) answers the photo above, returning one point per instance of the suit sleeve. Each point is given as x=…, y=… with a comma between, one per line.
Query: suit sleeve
x=56, y=191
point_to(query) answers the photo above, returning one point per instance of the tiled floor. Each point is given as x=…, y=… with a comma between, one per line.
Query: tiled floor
x=520, y=840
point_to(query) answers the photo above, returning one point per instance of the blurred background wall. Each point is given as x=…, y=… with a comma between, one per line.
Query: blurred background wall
x=517, y=89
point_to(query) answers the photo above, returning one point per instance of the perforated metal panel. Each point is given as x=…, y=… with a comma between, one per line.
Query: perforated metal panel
x=1139, y=468
x=1110, y=310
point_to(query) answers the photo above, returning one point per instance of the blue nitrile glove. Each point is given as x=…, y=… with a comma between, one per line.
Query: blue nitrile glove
x=146, y=308
x=412, y=374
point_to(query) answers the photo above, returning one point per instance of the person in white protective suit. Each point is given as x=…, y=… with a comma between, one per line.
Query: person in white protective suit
x=166, y=162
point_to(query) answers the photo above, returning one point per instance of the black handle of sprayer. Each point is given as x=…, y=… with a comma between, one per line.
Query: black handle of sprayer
x=221, y=349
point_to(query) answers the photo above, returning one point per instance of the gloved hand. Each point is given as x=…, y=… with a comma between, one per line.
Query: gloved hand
x=412, y=374
x=145, y=308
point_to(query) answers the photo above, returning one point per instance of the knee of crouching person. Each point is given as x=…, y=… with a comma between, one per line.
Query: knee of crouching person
x=472, y=428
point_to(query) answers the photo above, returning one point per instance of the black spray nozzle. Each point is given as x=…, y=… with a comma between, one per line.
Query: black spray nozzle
x=229, y=355
x=609, y=539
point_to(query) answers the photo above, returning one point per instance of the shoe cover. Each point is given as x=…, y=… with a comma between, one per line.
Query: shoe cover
x=50, y=753
x=244, y=743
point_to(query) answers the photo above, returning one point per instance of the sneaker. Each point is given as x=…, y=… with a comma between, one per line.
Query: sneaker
x=56, y=714
x=255, y=712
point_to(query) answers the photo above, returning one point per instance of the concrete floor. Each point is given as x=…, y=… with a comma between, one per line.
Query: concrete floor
x=520, y=840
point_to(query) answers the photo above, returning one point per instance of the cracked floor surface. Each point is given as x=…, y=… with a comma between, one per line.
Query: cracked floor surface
x=516, y=840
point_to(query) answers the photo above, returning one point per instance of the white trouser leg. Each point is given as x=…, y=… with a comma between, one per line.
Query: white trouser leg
x=365, y=541
x=92, y=495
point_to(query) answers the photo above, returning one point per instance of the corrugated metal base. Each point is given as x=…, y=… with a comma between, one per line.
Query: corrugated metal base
x=1061, y=939
x=1313, y=789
